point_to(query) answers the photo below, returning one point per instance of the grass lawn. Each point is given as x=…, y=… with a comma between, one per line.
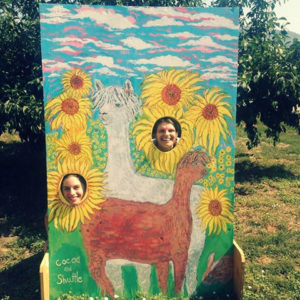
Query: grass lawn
x=266, y=217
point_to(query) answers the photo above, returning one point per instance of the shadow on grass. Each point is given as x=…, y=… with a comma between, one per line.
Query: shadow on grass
x=22, y=280
x=22, y=182
x=247, y=171
x=22, y=207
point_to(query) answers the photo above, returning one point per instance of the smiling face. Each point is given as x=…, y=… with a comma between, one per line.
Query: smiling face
x=72, y=189
x=166, y=136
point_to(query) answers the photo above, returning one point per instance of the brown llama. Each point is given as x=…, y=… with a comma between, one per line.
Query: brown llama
x=146, y=232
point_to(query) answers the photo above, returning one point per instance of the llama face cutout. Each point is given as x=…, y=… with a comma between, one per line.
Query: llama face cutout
x=114, y=102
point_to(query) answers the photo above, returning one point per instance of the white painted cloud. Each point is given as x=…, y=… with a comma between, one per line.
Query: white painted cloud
x=218, y=69
x=56, y=15
x=67, y=50
x=136, y=43
x=202, y=19
x=105, y=71
x=101, y=16
x=164, y=21
x=163, y=61
x=205, y=41
x=220, y=59
x=160, y=11
x=53, y=65
x=106, y=61
x=181, y=35
x=81, y=42
x=143, y=69
x=214, y=21
x=225, y=37
x=225, y=76
x=105, y=17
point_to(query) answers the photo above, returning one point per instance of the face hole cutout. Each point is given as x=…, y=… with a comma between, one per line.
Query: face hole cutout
x=73, y=188
x=166, y=133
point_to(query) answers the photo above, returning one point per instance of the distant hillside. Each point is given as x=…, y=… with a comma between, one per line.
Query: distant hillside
x=293, y=35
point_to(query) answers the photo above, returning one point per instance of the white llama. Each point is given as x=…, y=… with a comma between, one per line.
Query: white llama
x=117, y=107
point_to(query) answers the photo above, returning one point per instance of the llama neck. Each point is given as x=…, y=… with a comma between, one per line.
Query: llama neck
x=118, y=146
x=182, y=190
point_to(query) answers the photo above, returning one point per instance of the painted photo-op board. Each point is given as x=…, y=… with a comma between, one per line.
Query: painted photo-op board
x=140, y=130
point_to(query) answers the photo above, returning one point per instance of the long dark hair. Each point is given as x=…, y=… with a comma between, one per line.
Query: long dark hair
x=78, y=176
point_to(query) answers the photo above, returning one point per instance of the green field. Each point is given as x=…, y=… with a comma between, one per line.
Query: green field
x=266, y=217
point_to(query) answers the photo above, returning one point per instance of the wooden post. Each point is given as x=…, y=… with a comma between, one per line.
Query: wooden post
x=238, y=270
x=44, y=277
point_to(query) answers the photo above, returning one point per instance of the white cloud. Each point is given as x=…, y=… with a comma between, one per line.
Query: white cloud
x=163, y=61
x=56, y=15
x=205, y=41
x=214, y=21
x=105, y=17
x=164, y=21
x=136, y=43
x=225, y=37
x=67, y=50
x=103, y=60
x=183, y=35
x=220, y=59
x=80, y=42
x=105, y=71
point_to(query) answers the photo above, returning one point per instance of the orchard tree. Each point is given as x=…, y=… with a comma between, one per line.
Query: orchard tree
x=21, y=94
x=268, y=74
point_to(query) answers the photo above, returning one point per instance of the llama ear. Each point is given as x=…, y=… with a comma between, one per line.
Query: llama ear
x=128, y=87
x=99, y=85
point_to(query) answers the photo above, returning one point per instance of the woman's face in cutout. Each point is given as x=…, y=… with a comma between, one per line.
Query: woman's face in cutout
x=72, y=190
x=166, y=136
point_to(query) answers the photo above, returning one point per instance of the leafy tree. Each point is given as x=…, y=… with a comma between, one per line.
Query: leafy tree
x=268, y=81
x=21, y=106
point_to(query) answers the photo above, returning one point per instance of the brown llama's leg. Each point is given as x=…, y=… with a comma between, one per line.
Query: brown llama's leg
x=179, y=271
x=97, y=268
x=162, y=269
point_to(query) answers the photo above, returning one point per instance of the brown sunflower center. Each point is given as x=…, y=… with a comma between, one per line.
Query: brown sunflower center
x=210, y=112
x=70, y=106
x=76, y=82
x=215, y=207
x=74, y=148
x=171, y=94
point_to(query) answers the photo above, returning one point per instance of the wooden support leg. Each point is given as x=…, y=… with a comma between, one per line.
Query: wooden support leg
x=238, y=270
x=44, y=277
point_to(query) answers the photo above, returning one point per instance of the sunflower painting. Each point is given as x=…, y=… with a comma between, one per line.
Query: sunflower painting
x=140, y=131
x=65, y=215
x=215, y=210
x=210, y=115
x=77, y=83
x=162, y=161
x=67, y=111
x=172, y=89
x=74, y=146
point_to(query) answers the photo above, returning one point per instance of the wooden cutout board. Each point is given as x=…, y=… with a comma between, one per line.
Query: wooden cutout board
x=149, y=221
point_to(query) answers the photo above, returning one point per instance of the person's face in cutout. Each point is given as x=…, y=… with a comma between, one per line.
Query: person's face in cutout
x=166, y=136
x=72, y=190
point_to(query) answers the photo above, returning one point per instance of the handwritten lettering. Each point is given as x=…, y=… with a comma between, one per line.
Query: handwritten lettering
x=75, y=278
x=67, y=261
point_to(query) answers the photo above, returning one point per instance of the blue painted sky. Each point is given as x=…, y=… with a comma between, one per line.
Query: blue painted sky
x=118, y=43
